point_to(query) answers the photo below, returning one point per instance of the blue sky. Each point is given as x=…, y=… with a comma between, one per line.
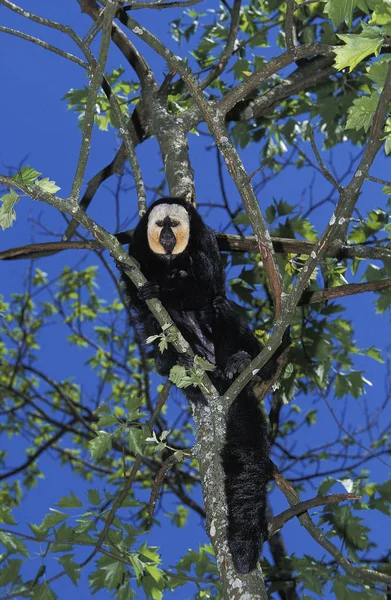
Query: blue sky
x=38, y=129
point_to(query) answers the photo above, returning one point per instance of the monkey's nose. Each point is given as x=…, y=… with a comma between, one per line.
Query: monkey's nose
x=167, y=240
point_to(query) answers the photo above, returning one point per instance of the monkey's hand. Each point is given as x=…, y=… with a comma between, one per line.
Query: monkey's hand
x=236, y=364
x=148, y=291
x=124, y=267
x=178, y=274
x=219, y=302
x=222, y=306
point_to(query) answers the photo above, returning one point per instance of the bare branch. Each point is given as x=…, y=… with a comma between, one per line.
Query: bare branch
x=305, y=520
x=168, y=464
x=132, y=55
x=33, y=457
x=243, y=89
x=160, y=4
x=298, y=509
x=227, y=243
x=45, y=45
x=344, y=290
x=96, y=79
x=323, y=167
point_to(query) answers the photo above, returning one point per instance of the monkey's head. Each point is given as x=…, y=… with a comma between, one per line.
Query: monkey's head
x=168, y=227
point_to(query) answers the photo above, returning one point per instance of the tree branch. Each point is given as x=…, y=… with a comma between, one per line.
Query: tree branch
x=227, y=242
x=321, y=539
x=93, y=88
x=229, y=47
x=298, y=509
x=168, y=464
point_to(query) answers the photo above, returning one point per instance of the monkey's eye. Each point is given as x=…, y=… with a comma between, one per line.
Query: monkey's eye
x=174, y=223
x=159, y=223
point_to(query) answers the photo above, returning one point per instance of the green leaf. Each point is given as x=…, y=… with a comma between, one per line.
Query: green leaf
x=10, y=572
x=125, y=592
x=13, y=544
x=107, y=420
x=360, y=114
x=155, y=572
x=70, y=502
x=341, y=591
x=385, y=490
x=70, y=567
x=27, y=175
x=203, y=364
x=356, y=49
x=114, y=572
x=150, y=588
x=133, y=402
x=242, y=69
x=159, y=447
x=48, y=186
x=382, y=15
x=43, y=592
x=54, y=518
x=241, y=219
x=378, y=70
x=38, y=531
x=340, y=10
x=179, y=377
x=387, y=137
x=101, y=445
x=6, y=516
x=7, y=213
x=347, y=526
x=94, y=497
x=311, y=417
x=383, y=302
x=164, y=435
x=375, y=353
x=179, y=518
x=326, y=485
x=342, y=386
x=270, y=214
x=150, y=552
x=135, y=440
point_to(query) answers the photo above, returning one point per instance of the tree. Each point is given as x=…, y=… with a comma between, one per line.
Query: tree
x=265, y=84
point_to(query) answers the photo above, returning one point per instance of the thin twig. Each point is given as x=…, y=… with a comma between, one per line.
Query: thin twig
x=170, y=462
x=159, y=5
x=323, y=167
x=45, y=45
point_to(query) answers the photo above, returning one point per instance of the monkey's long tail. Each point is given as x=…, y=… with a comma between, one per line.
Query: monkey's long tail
x=247, y=471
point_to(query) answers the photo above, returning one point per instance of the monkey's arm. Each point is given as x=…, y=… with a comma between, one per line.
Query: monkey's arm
x=240, y=344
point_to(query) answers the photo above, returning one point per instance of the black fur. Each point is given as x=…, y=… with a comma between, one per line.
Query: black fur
x=191, y=287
